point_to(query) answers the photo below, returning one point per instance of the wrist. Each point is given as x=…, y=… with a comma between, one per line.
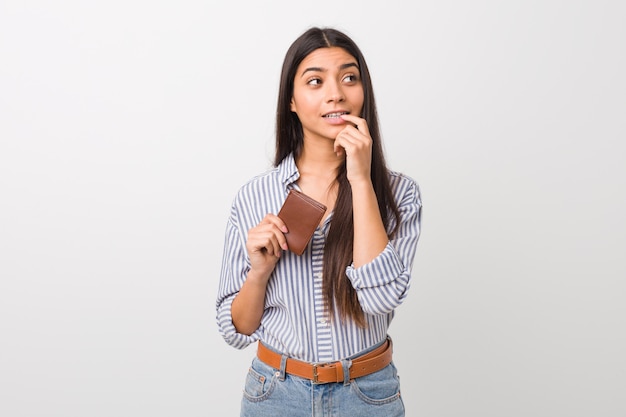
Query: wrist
x=257, y=277
x=361, y=184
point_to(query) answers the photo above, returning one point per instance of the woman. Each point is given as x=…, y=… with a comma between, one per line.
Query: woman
x=321, y=318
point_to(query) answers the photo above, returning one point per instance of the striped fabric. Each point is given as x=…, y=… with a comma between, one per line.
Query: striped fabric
x=295, y=321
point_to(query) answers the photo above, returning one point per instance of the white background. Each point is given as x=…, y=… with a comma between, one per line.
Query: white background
x=126, y=128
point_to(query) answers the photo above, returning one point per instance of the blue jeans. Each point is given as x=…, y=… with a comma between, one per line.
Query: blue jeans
x=271, y=393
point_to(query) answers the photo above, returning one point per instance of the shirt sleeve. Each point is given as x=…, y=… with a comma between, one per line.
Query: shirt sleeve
x=235, y=265
x=383, y=283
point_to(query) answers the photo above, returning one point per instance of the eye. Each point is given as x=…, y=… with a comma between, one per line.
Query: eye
x=314, y=81
x=351, y=78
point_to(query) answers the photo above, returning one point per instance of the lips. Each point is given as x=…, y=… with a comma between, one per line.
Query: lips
x=335, y=114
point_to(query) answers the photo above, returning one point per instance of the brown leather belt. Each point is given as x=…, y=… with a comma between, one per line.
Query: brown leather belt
x=323, y=373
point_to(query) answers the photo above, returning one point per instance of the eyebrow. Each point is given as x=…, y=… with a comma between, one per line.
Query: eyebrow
x=320, y=69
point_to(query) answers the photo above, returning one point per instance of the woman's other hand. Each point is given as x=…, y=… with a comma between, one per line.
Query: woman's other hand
x=355, y=141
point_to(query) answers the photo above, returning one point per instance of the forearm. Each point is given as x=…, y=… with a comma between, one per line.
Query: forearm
x=248, y=306
x=383, y=283
x=370, y=236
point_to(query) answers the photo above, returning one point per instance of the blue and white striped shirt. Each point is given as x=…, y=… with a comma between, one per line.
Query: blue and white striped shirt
x=295, y=321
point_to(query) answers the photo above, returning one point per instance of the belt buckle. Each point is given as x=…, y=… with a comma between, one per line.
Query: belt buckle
x=315, y=373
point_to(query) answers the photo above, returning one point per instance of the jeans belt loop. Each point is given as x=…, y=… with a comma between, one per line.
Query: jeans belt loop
x=346, y=364
x=283, y=366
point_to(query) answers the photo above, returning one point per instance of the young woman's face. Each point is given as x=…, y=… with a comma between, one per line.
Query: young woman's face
x=327, y=84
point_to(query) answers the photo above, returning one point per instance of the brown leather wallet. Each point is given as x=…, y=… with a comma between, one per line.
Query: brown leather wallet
x=301, y=214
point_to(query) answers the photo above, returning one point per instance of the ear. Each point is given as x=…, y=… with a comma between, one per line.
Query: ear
x=292, y=105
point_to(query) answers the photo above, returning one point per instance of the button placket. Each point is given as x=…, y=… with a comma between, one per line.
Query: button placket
x=322, y=321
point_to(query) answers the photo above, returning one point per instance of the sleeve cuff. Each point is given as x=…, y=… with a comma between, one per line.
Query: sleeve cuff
x=227, y=328
x=382, y=270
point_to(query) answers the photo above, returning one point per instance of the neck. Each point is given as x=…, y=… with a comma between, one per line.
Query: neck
x=318, y=165
x=319, y=157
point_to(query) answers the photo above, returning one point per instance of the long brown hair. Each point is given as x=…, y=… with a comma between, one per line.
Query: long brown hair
x=289, y=139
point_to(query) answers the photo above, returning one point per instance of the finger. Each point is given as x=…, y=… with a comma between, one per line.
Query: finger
x=346, y=137
x=359, y=123
x=272, y=239
x=276, y=225
x=269, y=244
x=273, y=243
x=276, y=221
x=342, y=144
x=351, y=132
x=351, y=141
x=258, y=243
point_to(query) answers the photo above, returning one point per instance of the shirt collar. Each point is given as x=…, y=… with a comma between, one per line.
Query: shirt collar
x=288, y=170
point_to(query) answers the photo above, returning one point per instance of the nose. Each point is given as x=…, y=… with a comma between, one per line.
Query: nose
x=334, y=92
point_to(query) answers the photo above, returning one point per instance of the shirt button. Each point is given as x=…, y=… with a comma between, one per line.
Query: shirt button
x=323, y=321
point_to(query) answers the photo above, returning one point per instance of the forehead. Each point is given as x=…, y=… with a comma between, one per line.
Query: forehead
x=326, y=59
